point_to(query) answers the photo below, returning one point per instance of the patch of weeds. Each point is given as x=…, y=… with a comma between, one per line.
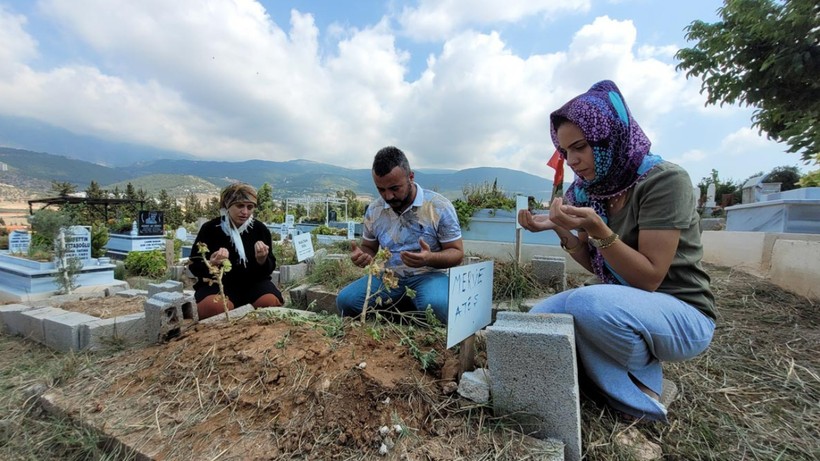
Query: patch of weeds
x=513, y=281
x=375, y=332
x=426, y=359
x=334, y=274
x=283, y=341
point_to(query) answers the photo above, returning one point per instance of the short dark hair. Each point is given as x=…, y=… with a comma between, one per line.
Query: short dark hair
x=388, y=158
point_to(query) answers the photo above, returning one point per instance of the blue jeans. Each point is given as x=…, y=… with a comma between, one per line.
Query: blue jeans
x=622, y=334
x=431, y=289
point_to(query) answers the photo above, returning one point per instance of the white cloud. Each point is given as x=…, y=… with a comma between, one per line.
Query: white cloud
x=222, y=80
x=439, y=19
x=17, y=46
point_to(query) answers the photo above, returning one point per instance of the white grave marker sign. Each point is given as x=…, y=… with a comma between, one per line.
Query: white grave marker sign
x=351, y=230
x=78, y=242
x=304, y=246
x=19, y=241
x=289, y=220
x=283, y=231
x=470, y=302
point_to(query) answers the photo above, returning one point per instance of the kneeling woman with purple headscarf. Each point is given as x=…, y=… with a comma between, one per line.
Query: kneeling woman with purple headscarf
x=630, y=218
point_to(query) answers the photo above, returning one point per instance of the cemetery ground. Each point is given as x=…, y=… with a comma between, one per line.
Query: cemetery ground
x=272, y=387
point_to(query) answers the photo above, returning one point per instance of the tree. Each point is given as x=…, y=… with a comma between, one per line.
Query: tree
x=765, y=54
x=193, y=208
x=264, y=203
x=721, y=187
x=787, y=176
x=63, y=189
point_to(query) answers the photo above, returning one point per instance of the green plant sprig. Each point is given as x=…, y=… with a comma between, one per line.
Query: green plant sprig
x=217, y=272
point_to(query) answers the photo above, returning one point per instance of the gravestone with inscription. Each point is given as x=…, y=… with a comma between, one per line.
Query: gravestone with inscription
x=151, y=222
x=78, y=243
x=19, y=241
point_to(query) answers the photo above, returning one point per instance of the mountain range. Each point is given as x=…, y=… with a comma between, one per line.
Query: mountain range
x=180, y=176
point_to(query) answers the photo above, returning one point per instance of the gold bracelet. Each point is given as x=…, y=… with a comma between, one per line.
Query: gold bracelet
x=571, y=250
x=604, y=243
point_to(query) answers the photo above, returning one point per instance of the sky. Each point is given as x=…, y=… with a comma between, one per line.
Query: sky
x=454, y=83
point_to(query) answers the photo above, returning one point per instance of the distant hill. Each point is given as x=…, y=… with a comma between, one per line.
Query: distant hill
x=294, y=178
x=48, y=167
x=176, y=185
x=36, y=135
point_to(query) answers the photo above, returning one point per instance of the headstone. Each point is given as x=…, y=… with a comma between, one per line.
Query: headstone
x=181, y=234
x=696, y=192
x=283, y=231
x=351, y=230
x=151, y=222
x=710, y=196
x=78, y=243
x=290, y=220
x=470, y=301
x=134, y=228
x=19, y=241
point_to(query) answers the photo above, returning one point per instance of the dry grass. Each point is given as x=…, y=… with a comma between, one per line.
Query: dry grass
x=755, y=395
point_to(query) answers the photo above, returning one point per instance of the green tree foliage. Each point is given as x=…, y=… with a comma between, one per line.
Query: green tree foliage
x=99, y=238
x=763, y=53
x=45, y=226
x=787, y=176
x=193, y=208
x=172, y=210
x=265, y=206
x=721, y=187
x=63, y=189
x=355, y=207
x=212, y=208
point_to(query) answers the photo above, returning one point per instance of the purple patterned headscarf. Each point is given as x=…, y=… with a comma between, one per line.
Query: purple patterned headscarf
x=621, y=149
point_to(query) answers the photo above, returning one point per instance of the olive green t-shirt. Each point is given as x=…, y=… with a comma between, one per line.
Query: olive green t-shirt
x=664, y=200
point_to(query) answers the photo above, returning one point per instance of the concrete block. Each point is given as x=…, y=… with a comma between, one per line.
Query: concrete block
x=551, y=271
x=532, y=361
x=298, y=296
x=320, y=299
x=10, y=320
x=31, y=322
x=132, y=293
x=171, y=286
x=292, y=272
x=275, y=277
x=63, y=331
x=233, y=314
x=125, y=330
x=164, y=313
x=475, y=385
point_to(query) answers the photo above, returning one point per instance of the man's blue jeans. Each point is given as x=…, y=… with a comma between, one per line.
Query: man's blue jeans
x=431, y=289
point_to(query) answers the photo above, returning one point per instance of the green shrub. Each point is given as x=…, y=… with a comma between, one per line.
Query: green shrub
x=119, y=270
x=285, y=253
x=146, y=263
x=334, y=274
x=99, y=238
x=327, y=230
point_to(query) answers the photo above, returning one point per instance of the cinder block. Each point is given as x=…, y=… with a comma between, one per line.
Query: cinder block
x=532, y=361
x=320, y=299
x=170, y=286
x=10, y=320
x=292, y=272
x=298, y=296
x=164, y=313
x=132, y=293
x=32, y=322
x=275, y=276
x=551, y=271
x=63, y=331
x=126, y=330
x=233, y=314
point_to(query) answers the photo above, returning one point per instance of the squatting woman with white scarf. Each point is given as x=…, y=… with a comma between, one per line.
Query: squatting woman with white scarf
x=236, y=236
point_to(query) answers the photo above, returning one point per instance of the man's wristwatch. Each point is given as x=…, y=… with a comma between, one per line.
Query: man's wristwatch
x=605, y=242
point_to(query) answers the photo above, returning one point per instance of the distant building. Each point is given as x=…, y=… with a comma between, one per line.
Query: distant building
x=755, y=190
